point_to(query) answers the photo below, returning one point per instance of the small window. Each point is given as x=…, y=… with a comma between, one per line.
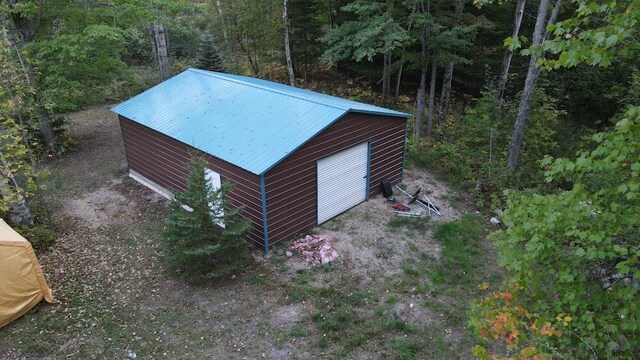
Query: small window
x=214, y=179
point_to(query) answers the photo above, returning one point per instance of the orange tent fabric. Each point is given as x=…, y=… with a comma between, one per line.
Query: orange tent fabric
x=22, y=283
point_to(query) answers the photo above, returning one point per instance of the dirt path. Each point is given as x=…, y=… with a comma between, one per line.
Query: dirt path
x=116, y=301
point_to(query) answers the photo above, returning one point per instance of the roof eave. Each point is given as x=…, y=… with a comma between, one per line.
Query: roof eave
x=395, y=114
x=400, y=115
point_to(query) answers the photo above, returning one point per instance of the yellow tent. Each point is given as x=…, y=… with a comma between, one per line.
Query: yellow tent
x=22, y=284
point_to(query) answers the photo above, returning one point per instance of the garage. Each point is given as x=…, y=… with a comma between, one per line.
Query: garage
x=294, y=158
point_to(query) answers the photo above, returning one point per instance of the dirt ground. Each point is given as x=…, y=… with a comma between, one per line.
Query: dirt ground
x=364, y=235
x=114, y=300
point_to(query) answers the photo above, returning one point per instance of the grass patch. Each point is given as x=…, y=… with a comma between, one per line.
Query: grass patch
x=398, y=325
x=298, y=331
x=345, y=318
x=461, y=252
x=410, y=270
x=256, y=279
x=405, y=349
x=421, y=225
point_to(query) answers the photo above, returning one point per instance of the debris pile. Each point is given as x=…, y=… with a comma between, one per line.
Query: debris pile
x=316, y=249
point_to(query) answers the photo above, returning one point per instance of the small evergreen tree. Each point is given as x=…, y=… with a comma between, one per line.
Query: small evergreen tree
x=209, y=57
x=195, y=246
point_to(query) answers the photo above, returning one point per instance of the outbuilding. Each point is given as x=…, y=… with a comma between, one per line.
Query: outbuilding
x=295, y=158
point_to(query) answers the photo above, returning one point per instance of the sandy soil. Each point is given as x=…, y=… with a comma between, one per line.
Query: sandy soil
x=366, y=243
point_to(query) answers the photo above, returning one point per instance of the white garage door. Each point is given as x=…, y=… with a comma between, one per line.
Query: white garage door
x=342, y=181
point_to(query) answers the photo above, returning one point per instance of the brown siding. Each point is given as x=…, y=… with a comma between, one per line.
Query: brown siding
x=291, y=185
x=164, y=161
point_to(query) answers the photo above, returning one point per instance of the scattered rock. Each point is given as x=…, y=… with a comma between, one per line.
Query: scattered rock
x=316, y=249
x=279, y=252
x=289, y=254
x=495, y=221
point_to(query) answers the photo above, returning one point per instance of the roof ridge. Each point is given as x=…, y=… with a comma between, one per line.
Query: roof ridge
x=222, y=77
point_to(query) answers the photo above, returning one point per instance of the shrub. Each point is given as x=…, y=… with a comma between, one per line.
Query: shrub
x=195, y=246
x=574, y=255
x=40, y=236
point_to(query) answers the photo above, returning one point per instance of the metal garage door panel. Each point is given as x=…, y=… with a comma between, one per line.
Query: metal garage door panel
x=342, y=181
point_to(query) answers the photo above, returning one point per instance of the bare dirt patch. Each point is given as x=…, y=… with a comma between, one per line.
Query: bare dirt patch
x=369, y=246
x=287, y=316
x=97, y=209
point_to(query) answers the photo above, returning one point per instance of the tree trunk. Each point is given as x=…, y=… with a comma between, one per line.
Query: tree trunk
x=399, y=77
x=531, y=81
x=448, y=71
x=18, y=210
x=160, y=49
x=13, y=36
x=287, y=48
x=432, y=86
x=508, y=54
x=417, y=131
x=445, y=95
x=26, y=26
x=424, y=54
x=386, y=78
x=222, y=22
x=420, y=97
x=44, y=119
x=432, y=92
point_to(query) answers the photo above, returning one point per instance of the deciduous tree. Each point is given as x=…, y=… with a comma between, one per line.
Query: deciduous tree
x=533, y=73
x=374, y=31
x=287, y=45
x=576, y=252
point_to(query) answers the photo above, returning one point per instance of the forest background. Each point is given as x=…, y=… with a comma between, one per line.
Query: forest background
x=533, y=107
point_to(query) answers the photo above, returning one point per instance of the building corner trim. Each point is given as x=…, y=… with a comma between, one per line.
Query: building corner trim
x=369, y=184
x=265, y=228
x=404, y=152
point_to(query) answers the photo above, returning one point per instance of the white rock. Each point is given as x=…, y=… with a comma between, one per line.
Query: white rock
x=289, y=254
x=495, y=221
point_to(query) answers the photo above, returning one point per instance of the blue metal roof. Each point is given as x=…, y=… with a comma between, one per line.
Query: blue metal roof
x=249, y=122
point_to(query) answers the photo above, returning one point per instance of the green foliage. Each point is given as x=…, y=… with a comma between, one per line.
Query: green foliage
x=209, y=57
x=16, y=170
x=75, y=68
x=305, y=30
x=600, y=33
x=195, y=246
x=374, y=31
x=253, y=32
x=451, y=43
x=576, y=251
x=17, y=123
x=40, y=235
x=470, y=151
